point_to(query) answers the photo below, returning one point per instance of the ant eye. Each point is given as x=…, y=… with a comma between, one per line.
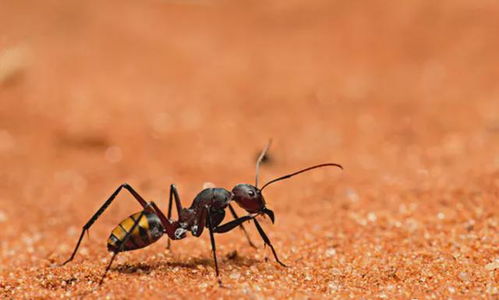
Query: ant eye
x=251, y=193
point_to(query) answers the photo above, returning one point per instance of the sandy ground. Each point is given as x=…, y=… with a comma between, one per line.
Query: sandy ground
x=404, y=94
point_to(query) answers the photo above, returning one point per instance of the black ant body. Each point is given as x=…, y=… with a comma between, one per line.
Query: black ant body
x=207, y=210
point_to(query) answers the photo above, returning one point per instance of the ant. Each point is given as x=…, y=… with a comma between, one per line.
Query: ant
x=207, y=210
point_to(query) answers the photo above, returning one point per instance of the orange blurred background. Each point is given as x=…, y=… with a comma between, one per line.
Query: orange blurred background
x=95, y=93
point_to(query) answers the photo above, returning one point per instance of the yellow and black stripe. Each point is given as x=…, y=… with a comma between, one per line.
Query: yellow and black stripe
x=148, y=230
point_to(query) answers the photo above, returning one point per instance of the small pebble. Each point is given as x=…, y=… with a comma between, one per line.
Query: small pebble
x=464, y=276
x=330, y=252
x=333, y=286
x=493, y=265
x=208, y=185
x=203, y=285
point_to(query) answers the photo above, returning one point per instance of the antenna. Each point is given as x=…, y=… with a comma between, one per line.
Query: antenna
x=301, y=171
x=260, y=158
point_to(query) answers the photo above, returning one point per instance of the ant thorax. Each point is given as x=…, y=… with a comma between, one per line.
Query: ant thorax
x=187, y=222
x=214, y=198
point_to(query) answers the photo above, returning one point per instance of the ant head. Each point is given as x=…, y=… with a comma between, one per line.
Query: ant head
x=250, y=198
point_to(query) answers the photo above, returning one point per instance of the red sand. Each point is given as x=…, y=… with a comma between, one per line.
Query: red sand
x=403, y=94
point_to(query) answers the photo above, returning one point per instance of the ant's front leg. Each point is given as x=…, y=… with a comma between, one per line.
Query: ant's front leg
x=232, y=224
x=234, y=214
x=266, y=240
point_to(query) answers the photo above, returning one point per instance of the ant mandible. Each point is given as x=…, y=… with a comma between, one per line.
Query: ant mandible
x=207, y=210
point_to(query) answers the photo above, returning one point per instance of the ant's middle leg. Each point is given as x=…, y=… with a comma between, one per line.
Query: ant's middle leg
x=213, y=246
x=178, y=204
x=99, y=212
x=234, y=214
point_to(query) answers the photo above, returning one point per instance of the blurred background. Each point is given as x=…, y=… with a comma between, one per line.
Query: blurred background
x=403, y=94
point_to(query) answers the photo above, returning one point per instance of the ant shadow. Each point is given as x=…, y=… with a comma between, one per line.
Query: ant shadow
x=232, y=258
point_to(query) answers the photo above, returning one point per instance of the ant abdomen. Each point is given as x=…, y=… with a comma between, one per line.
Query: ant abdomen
x=147, y=231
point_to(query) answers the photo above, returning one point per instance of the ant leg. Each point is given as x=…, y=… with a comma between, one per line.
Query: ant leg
x=178, y=204
x=125, y=239
x=231, y=225
x=169, y=225
x=94, y=218
x=213, y=247
x=234, y=214
x=267, y=241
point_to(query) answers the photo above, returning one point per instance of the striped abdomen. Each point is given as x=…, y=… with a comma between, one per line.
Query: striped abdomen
x=148, y=230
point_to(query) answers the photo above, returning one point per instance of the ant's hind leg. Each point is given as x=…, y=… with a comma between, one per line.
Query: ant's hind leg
x=125, y=240
x=99, y=212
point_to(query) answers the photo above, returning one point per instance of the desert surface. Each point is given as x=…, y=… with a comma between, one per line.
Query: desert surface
x=403, y=94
